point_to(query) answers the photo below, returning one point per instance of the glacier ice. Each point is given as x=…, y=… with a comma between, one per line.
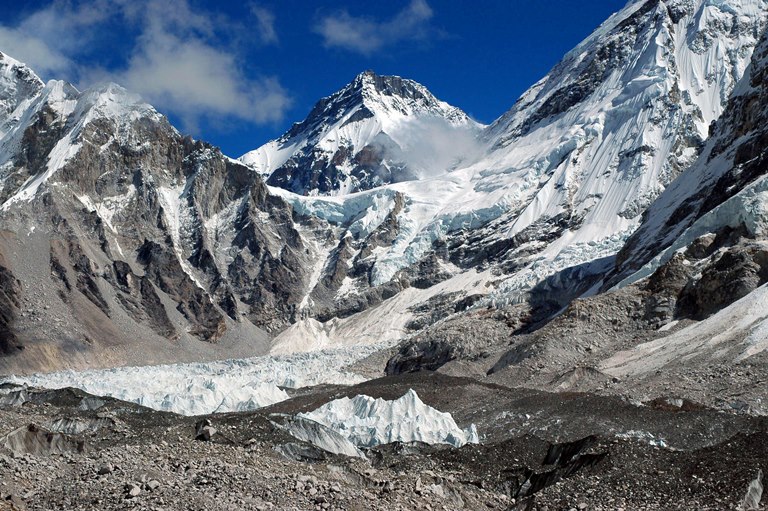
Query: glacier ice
x=215, y=387
x=368, y=422
x=320, y=436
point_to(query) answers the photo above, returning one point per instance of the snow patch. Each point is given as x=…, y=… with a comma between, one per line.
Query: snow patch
x=644, y=436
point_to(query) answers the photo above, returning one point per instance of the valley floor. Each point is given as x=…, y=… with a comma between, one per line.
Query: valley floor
x=538, y=451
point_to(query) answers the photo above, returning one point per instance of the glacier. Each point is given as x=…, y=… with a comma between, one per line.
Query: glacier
x=214, y=387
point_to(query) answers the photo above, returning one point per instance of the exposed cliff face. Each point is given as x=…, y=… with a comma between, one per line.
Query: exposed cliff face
x=145, y=232
x=10, y=289
x=123, y=228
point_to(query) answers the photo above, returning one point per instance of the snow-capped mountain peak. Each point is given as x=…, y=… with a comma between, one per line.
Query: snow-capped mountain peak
x=358, y=138
x=18, y=84
x=393, y=95
x=67, y=112
x=16, y=79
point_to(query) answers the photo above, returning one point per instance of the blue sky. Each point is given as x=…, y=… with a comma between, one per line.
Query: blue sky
x=239, y=73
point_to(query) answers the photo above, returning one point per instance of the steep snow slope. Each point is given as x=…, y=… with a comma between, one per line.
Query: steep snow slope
x=376, y=130
x=724, y=189
x=18, y=84
x=717, y=208
x=594, y=143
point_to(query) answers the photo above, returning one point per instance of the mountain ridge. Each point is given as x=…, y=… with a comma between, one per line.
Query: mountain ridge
x=168, y=238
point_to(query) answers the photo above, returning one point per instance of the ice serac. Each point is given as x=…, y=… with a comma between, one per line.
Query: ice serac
x=368, y=422
x=213, y=387
x=372, y=132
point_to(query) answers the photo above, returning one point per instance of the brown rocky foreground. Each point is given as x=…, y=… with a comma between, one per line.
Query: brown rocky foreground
x=68, y=450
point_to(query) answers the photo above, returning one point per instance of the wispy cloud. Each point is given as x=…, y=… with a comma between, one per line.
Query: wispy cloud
x=265, y=21
x=433, y=146
x=366, y=36
x=182, y=60
x=47, y=40
x=178, y=63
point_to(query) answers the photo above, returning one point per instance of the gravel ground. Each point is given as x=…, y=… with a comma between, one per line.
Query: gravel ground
x=124, y=456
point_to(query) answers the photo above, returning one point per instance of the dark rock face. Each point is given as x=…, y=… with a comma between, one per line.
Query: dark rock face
x=140, y=299
x=437, y=308
x=430, y=356
x=732, y=276
x=426, y=273
x=317, y=171
x=482, y=246
x=567, y=459
x=468, y=336
x=163, y=268
x=10, y=288
x=134, y=220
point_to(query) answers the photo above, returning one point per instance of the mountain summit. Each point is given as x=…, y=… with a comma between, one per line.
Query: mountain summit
x=368, y=134
x=389, y=209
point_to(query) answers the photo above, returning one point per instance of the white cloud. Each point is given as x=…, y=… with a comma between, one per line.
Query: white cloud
x=433, y=146
x=177, y=65
x=366, y=36
x=182, y=60
x=191, y=78
x=34, y=52
x=47, y=39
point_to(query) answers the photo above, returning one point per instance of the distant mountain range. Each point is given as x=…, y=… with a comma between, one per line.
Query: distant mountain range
x=387, y=210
